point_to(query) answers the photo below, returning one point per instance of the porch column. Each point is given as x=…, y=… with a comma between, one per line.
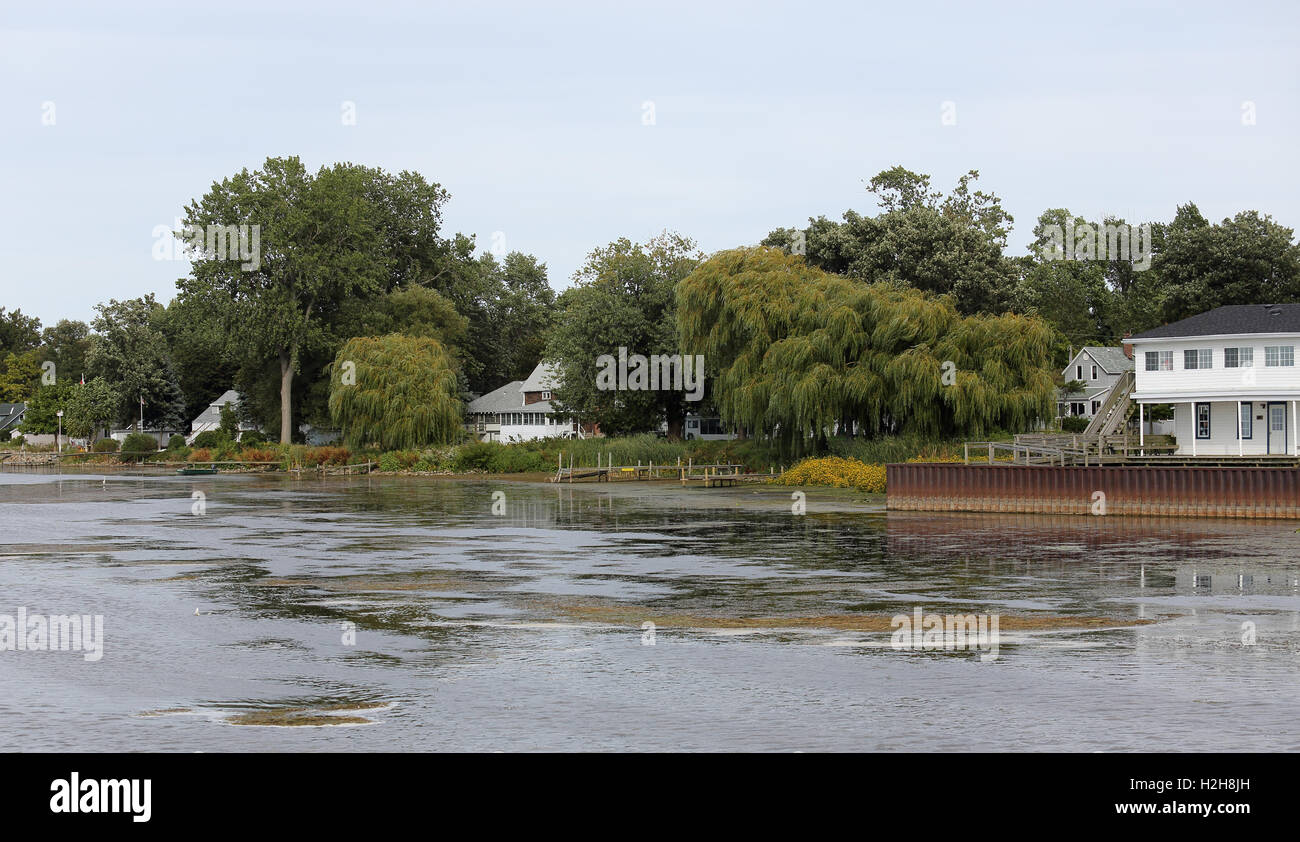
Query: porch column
x=1141, y=432
x=1240, y=451
x=1295, y=439
x=1192, y=404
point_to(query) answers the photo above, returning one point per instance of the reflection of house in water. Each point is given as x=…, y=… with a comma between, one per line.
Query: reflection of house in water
x=1210, y=578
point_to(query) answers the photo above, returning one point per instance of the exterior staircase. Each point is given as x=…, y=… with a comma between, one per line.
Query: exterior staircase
x=1110, y=418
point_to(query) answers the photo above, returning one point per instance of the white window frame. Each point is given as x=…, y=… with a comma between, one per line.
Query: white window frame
x=1279, y=356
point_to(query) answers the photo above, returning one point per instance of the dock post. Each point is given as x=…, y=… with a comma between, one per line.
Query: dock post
x=990, y=453
x=965, y=458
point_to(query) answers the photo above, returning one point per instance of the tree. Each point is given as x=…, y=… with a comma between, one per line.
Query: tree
x=43, y=407
x=395, y=391
x=941, y=244
x=802, y=353
x=131, y=354
x=91, y=408
x=1248, y=259
x=623, y=297
x=18, y=333
x=346, y=232
x=524, y=311
x=66, y=345
x=229, y=423
x=19, y=376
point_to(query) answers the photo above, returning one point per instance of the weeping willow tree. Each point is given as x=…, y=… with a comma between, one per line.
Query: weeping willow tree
x=798, y=354
x=395, y=391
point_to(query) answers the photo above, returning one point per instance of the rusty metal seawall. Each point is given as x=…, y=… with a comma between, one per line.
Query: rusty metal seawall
x=1128, y=490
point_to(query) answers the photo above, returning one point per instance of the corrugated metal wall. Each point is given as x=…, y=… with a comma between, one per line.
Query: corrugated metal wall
x=1128, y=490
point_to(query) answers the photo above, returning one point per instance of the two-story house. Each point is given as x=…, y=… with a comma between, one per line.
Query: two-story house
x=1098, y=369
x=1231, y=375
x=521, y=410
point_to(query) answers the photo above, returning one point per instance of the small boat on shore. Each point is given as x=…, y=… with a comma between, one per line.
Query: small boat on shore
x=190, y=470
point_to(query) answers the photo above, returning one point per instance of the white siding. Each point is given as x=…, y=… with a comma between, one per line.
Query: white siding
x=1218, y=379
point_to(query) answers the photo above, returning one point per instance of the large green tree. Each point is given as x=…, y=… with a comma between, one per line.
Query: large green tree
x=395, y=392
x=943, y=244
x=801, y=353
x=130, y=352
x=345, y=232
x=624, y=296
x=1248, y=259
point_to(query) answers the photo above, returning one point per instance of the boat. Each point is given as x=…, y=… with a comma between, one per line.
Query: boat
x=190, y=471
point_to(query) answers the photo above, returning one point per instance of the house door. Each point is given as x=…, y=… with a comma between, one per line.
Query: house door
x=1277, y=428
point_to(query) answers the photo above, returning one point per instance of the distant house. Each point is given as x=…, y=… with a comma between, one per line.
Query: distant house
x=1231, y=375
x=11, y=415
x=522, y=410
x=210, y=418
x=1098, y=369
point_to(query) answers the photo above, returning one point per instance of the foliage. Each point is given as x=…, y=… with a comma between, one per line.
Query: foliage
x=130, y=353
x=66, y=344
x=922, y=239
x=176, y=442
x=252, y=437
x=1074, y=423
x=19, y=376
x=399, y=391
x=138, y=443
x=836, y=472
x=624, y=296
x=106, y=445
x=18, y=333
x=228, y=425
x=209, y=439
x=44, y=404
x=327, y=455
x=801, y=353
x=91, y=408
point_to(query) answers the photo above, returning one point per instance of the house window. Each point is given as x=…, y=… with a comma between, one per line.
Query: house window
x=1246, y=410
x=1202, y=420
x=1160, y=360
x=1094, y=372
x=1198, y=358
x=1096, y=405
x=1279, y=356
x=1238, y=357
x=1078, y=372
x=1076, y=409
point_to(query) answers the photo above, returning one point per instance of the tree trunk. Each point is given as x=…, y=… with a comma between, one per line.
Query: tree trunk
x=286, y=396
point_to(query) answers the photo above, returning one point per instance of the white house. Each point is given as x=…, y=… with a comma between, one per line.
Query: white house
x=210, y=418
x=521, y=410
x=1230, y=374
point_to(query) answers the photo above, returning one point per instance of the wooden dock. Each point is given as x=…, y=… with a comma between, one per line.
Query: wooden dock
x=712, y=475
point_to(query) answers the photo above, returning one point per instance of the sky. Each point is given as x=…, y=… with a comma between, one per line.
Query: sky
x=558, y=128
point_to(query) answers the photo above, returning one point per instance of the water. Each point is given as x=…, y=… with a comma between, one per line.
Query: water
x=523, y=630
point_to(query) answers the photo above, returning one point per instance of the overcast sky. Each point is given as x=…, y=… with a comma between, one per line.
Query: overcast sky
x=538, y=120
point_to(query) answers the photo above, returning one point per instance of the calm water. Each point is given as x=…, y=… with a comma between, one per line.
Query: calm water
x=523, y=630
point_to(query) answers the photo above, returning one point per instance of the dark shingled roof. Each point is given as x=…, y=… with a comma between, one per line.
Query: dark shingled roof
x=1233, y=319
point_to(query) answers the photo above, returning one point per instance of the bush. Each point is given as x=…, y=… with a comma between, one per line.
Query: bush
x=176, y=442
x=136, y=445
x=327, y=455
x=106, y=446
x=259, y=454
x=1074, y=424
x=837, y=473
x=253, y=437
x=209, y=438
x=200, y=454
